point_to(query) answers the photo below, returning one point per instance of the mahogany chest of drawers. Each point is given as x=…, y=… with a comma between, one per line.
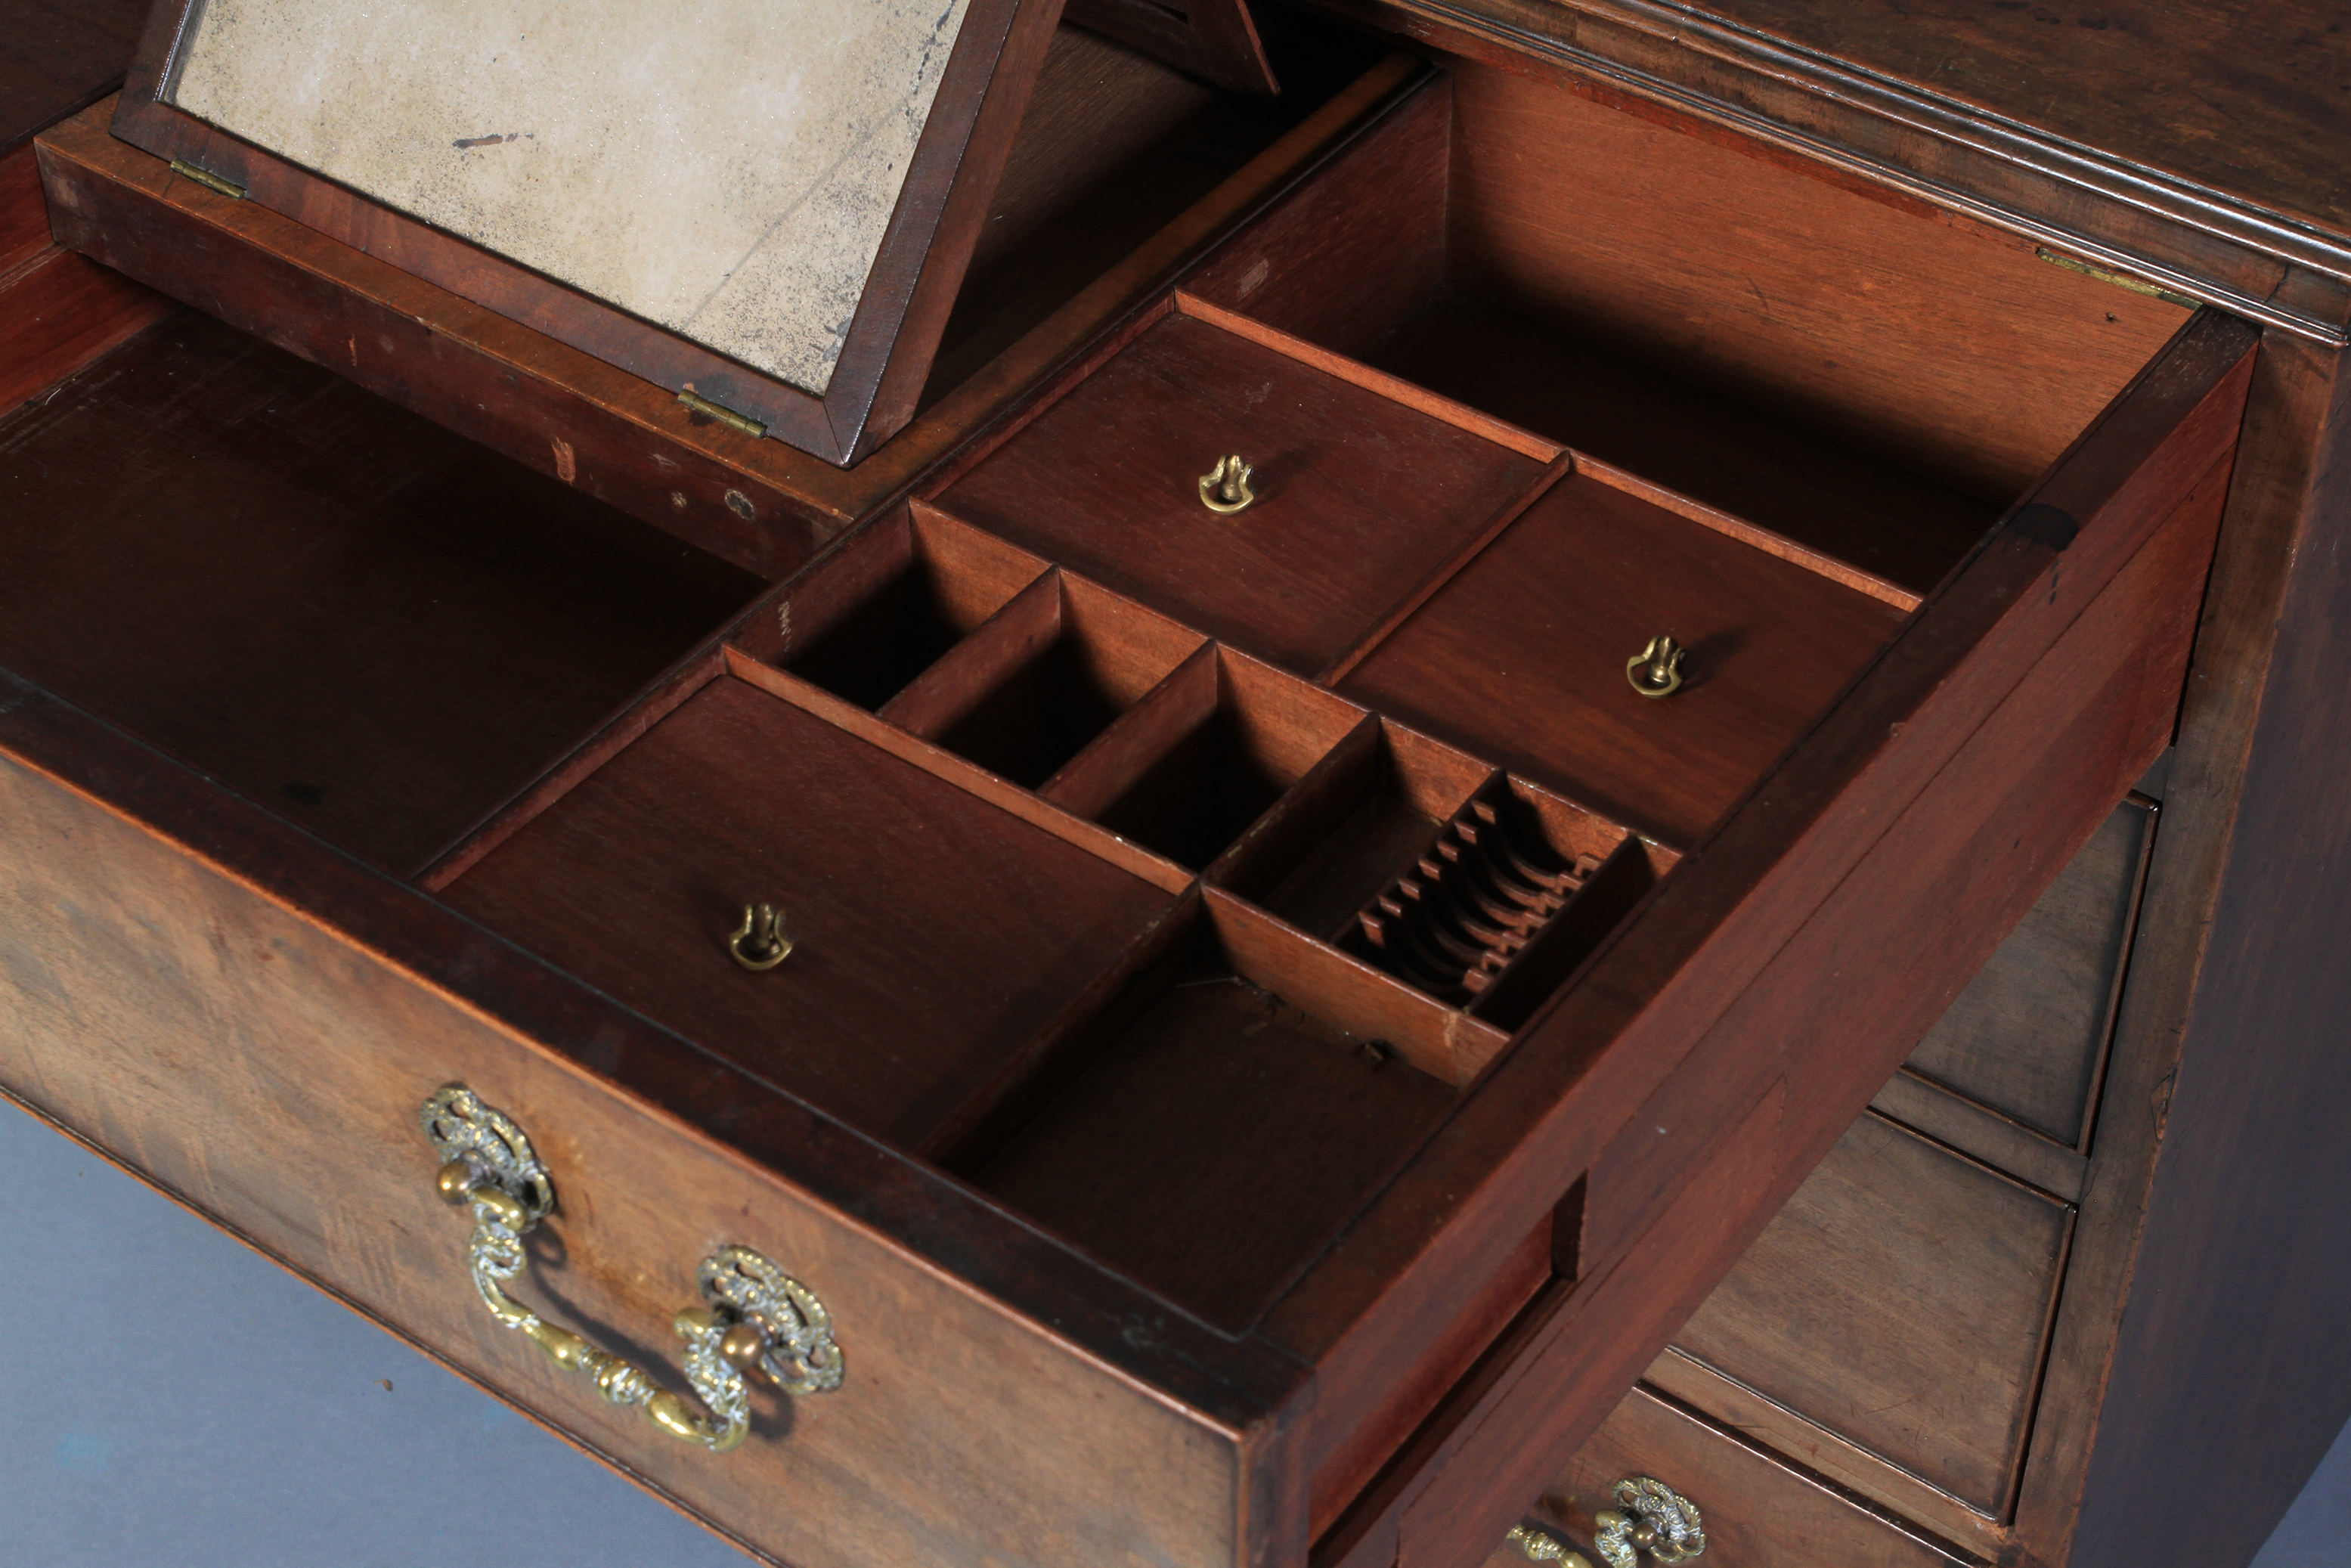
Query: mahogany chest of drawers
x=1208, y=954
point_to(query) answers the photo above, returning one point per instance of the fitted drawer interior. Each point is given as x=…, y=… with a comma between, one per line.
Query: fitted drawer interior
x=1265, y=897
x=1823, y=358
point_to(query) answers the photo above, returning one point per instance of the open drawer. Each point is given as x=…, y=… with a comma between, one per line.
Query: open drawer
x=1270, y=1026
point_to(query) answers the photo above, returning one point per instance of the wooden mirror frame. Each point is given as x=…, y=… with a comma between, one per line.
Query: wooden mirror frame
x=900, y=318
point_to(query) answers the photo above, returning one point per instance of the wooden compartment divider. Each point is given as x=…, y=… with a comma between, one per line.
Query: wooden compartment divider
x=1098, y=776
x=1211, y=751
x=1034, y=687
x=981, y=662
x=965, y=774
x=892, y=601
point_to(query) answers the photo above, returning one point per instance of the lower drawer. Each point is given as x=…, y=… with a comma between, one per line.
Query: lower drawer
x=1756, y=1511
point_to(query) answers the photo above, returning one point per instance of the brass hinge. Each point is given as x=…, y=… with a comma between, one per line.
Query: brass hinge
x=208, y=179
x=722, y=413
x=2118, y=279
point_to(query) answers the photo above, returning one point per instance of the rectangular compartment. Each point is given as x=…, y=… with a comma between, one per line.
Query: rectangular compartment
x=1237, y=1101
x=1185, y=773
x=1483, y=891
x=1026, y=693
x=889, y=604
x=364, y=622
x=1794, y=347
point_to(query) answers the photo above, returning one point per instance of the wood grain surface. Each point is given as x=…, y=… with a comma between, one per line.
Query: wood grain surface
x=24, y=213
x=1948, y=347
x=2288, y=420
x=2028, y=1034
x=1520, y=657
x=934, y=936
x=1213, y=39
x=63, y=311
x=1758, y=1508
x=1901, y=1300
x=56, y=56
x=1221, y=1137
x=267, y=1071
x=1359, y=497
x=364, y=621
x=2251, y=107
x=1853, y=125
x=2260, y=1074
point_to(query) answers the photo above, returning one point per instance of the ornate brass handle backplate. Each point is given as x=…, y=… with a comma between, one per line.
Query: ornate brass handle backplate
x=754, y=1316
x=1649, y=1516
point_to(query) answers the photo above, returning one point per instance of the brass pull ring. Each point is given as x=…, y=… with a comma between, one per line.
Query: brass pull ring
x=1649, y=1516
x=759, y=943
x=754, y=1316
x=1226, y=487
x=1657, y=669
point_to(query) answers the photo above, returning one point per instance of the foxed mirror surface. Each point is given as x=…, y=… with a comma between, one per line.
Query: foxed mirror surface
x=726, y=171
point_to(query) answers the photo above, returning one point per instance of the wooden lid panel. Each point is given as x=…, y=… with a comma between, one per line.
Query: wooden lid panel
x=1360, y=497
x=933, y=934
x=1522, y=656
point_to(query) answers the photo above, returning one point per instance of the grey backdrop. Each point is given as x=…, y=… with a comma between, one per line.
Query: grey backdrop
x=169, y=1399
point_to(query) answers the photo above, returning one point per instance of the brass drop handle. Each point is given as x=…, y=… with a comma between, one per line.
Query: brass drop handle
x=759, y=943
x=1657, y=669
x=1225, y=488
x=754, y=1317
x=1649, y=1516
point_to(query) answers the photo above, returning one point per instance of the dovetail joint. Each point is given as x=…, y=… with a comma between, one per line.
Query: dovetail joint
x=218, y=183
x=722, y=413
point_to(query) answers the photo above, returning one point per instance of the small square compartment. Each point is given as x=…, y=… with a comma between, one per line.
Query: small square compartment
x=1187, y=771
x=889, y=603
x=1031, y=688
x=1477, y=889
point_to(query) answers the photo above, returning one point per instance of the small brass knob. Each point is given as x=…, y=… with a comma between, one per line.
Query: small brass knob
x=456, y=1180
x=1657, y=669
x=759, y=943
x=743, y=1345
x=1226, y=487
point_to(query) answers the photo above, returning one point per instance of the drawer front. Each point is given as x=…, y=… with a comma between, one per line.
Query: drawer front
x=1756, y=1512
x=268, y=1072
x=2028, y=1036
x=1901, y=1300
